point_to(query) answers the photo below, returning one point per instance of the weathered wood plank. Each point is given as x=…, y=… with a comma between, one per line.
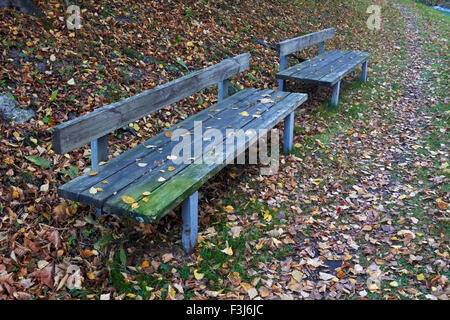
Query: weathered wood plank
x=174, y=191
x=157, y=161
x=326, y=71
x=308, y=65
x=73, y=188
x=318, y=70
x=295, y=44
x=77, y=132
x=340, y=72
x=329, y=67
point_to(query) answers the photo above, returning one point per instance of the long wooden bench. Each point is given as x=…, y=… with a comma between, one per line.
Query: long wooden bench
x=144, y=183
x=327, y=69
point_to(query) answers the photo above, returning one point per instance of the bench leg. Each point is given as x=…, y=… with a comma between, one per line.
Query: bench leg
x=335, y=97
x=98, y=212
x=189, y=213
x=364, y=72
x=288, y=136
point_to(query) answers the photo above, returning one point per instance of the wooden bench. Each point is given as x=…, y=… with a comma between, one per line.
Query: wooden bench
x=327, y=69
x=143, y=183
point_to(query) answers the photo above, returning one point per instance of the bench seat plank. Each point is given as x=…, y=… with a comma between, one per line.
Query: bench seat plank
x=286, y=74
x=235, y=122
x=157, y=161
x=166, y=196
x=72, y=189
x=341, y=71
x=325, y=69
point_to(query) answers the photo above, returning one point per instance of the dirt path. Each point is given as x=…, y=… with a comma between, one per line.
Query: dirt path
x=383, y=214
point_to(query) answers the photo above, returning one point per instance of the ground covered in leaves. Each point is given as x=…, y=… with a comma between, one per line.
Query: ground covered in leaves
x=358, y=211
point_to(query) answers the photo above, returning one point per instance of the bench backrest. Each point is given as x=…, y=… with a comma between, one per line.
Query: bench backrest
x=97, y=124
x=295, y=44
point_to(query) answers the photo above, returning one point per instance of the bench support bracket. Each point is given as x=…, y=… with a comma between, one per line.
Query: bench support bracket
x=321, y=47
x=189, y=213
x=335, y=97
x=222, y=90
x=364, y=72
x=283, y=65
x=99, y=152
x=288, y=136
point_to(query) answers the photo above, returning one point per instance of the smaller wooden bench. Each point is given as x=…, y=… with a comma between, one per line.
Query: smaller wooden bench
x=144, y=183
x=327, y=69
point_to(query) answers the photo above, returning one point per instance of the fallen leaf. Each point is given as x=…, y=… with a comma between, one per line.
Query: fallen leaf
x=128, y=199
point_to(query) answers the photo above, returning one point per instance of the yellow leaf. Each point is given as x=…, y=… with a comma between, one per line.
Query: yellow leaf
x=169, y=134
x=91, y=275
x=93, y=173
x=267, y=216
x=99, y=189
x=229, y=209
x=244, y=114
x=171, y=168
x=259, y=246
x=317, y=181
x=135, y=206
x=104, y=182
x=246, y=286
x=145, y=264
x=420, y=277
x=171, y=292
x=228, y=250
x=276, y=242
x=393, y=284
x=373, y=287
x=128, y=199
x=145, y=199
x=198, y=275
